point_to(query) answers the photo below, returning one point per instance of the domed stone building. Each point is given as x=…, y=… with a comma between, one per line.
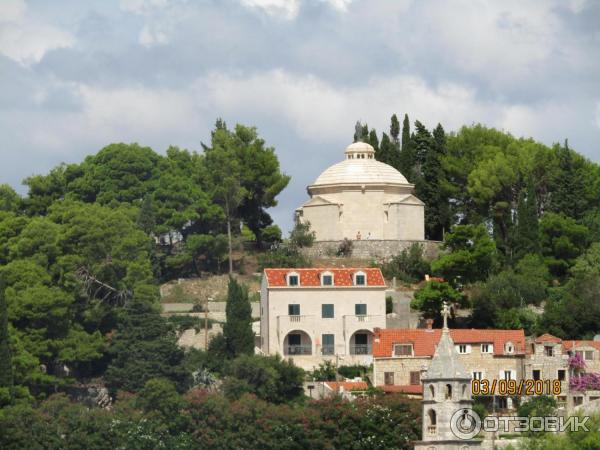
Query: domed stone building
x=363, y=199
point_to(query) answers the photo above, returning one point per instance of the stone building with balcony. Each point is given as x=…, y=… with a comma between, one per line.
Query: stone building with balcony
x=313, y=315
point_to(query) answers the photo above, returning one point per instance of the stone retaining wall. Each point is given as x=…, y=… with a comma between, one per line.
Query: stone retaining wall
x=371, y=249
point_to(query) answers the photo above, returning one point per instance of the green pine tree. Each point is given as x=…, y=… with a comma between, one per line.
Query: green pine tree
x=569, y=196
x=6, y=372
x=147, y=216
x=237, y=331
x=384, y=152
x=527, y=236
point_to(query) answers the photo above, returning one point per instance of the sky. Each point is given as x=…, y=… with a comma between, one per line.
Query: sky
x=76, y=76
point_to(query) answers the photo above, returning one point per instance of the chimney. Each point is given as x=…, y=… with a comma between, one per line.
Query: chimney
x=429, y=324
x=376, y=334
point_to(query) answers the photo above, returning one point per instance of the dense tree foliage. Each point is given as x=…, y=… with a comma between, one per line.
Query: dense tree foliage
x=237, y=331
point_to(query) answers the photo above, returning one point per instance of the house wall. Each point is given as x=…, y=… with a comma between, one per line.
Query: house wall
x=490, y=365
x=278, y=324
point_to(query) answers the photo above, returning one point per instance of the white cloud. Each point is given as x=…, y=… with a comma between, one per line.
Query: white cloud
x=149, y=36
x=142, y=6
x=25, y=39
x=288, y=9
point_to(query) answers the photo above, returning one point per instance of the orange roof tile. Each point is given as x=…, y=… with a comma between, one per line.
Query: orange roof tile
x=548, y=338
x=573, y=344
x=312, y=277
x=424, y=341
x=407, y=388
x=347, y=385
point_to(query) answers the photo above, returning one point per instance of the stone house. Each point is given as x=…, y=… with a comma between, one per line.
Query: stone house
x=402, y=356
x=314, y=315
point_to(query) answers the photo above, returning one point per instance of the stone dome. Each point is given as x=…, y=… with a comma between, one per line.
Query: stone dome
x=360, y=167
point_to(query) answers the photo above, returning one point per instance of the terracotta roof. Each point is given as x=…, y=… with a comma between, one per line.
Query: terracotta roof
x=571, y=344
x=424, y=341
x=407, y=389
x=347, y=385
x=548, y=338
x=312, y=277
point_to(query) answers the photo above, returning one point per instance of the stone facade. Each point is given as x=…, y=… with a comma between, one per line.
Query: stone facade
x=372, y=249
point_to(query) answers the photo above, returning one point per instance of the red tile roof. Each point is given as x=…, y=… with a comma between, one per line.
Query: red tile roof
x=571, y=344
x=424, y=341
x=347, y=385
x=407, y=389
x=312, y=277
x=548, y=338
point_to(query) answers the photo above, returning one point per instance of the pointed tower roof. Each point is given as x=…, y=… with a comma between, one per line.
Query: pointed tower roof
x=445, y=364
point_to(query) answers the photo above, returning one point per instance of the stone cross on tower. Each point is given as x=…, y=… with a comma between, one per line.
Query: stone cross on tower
x=445, y=313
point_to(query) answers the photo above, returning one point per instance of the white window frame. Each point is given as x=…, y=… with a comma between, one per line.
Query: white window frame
x=490, y=348
x=509, y=347
x=481, y=374
x=412, y=350
x=292, y=274
x=511, y=373
x=325, y=274
x=467, y=349
x=356, y=275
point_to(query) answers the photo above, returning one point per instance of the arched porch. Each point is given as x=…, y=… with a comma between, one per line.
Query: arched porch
x=361, y=342
x=297, y=342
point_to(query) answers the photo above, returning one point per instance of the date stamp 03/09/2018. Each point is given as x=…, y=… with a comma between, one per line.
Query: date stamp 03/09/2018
x=516, y=387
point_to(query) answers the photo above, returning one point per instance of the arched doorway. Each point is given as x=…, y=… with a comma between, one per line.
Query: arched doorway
x=297, y=342
x=361, y=343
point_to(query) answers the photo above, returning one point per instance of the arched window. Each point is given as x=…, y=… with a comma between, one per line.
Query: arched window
x=431, y=422
x=509, y=347
x=293, y=279
x=327, y=279
x=464, y=391
x=360, y=279
x=431, y=391
x=448, y=392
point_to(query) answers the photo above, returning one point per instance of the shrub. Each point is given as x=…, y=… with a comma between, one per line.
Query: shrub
x=409, y=266
x=345, y=248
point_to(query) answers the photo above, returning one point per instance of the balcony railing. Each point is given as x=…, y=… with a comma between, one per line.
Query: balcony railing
x=361, y=349
x=328, y=349
x=289, y=323
x=432, y=430
x=298, y=350
x=353, y=323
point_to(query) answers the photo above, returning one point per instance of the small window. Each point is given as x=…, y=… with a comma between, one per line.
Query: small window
x=448, y=392
x=293, y=279
x=403, y=350
x=562, y=374
x=486, y=348
x=589, y=355
x=327, y=311
x=577, y=401
x=537, y=375
x=509, y=347
x=415, y=378
x=360, y=309
x=463, y=349
x=507, y=375
x=477, y=375
x=360, y=279
x=293, y=309
x=548, y=350
x=388, y=378
x=327, y=279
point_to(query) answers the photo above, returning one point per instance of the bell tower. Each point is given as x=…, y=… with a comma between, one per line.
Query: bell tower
x=448, y=420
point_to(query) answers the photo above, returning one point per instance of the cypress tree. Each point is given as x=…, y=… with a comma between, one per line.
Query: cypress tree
x=527, y=239
x=395, y=130
x=406, y=159
x=569, y=195
x=237, y=331
x=385, y=149
x=373, y=139
x=147, y=217
x=6, y=372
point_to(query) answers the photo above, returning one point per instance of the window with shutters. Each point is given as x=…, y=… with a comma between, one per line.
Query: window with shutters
x=327, y=311
x=403, y=350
